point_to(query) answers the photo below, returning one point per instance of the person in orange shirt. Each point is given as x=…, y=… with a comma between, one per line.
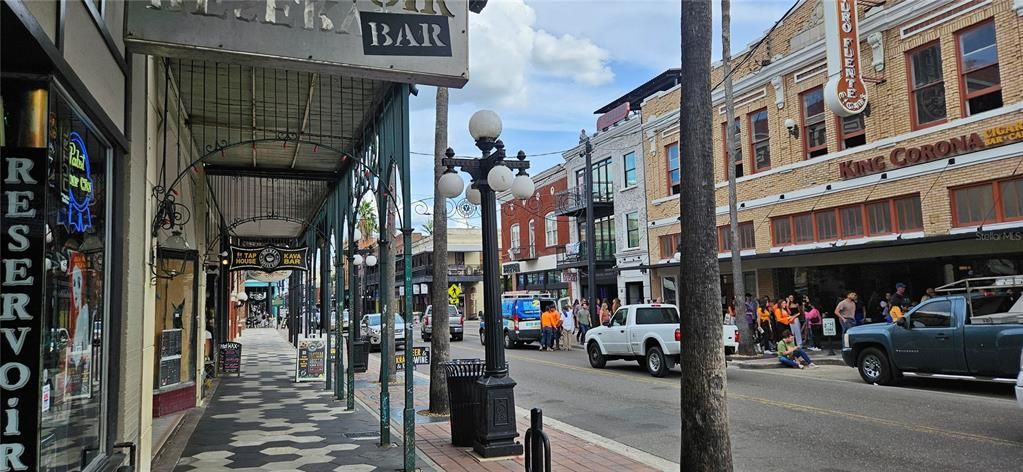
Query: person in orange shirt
x=764, y=328
x=781, y=316
x=548, y=322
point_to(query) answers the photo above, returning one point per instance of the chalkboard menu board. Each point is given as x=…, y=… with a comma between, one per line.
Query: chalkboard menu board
x=312, y=360
x=230, y=359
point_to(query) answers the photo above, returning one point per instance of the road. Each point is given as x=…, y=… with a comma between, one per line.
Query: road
x=824, y=419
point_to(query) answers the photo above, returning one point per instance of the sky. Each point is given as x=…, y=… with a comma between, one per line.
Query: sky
x=545, y=65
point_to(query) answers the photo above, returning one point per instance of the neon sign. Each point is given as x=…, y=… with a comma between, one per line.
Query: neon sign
x=78, y=185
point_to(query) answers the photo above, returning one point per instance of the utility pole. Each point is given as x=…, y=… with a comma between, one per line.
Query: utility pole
x=704, y=444
x=734, y=149
x=591, y=243
x=440, y=343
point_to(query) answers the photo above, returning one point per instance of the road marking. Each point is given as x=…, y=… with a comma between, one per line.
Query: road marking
x=793, y=406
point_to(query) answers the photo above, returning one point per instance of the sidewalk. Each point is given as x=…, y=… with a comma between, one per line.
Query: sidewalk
x=262, y=420
x=573, y=450
x=770, y=361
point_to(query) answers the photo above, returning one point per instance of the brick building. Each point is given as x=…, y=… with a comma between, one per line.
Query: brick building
x=531, y=235
x=924, y=187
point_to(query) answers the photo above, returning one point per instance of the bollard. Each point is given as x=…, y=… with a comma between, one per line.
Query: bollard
x=538, y=446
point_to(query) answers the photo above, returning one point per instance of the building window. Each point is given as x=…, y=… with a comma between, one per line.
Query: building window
x=669, y=245
x=737, y=136
x=746, y=238
x=632, y=229
x=603, y=184
x=815, y=141
x=630, y=169
x=991, y=202
x=176, y=322
x=927, y=86
x=515, y=236
x=669, y=293
x=674, y=176
x=889, y=216
x=979, y=80
x=760, y=140
x=852, y=131
x=531, y=228
x=550, y=223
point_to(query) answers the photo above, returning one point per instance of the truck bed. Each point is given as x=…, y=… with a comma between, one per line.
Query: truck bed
x=998, y=319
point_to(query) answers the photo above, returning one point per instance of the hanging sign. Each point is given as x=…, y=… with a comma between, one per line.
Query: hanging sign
x=411, y=41
x=268, y=277
x=229, y=359
x=420, y=356
x=311, y=365
x=268, y=258
x=845, y=93
x=77, y=193
x=21, y=255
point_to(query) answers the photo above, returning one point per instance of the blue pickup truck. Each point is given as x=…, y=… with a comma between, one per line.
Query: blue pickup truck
x=974, y=332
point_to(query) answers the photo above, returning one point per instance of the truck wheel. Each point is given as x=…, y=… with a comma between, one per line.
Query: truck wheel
x=597, y=360
x=874, y=367
x=656, y=364
x=508, y=343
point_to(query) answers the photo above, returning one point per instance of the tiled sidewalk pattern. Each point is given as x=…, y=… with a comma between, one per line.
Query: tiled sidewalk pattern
x=263, y=421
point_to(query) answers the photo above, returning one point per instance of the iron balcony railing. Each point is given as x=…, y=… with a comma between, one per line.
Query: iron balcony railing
x=575, y=199
x=604, y=252
x=460, y=269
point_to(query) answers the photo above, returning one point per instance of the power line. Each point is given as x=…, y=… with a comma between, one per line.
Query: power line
x=757, y=45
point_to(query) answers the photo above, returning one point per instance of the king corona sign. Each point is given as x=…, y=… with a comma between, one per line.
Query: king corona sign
x=267, y=258
x=412, y=41
x=845, y=93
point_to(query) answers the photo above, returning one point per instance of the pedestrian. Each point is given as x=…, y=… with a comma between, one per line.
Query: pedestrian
x=615, y=305
x=846, y=311
x=557, y=329
x=789, y=353
x=583, y=320
x=567, y=327
x=928, y=294
x=605, y=314
x=814, y=325
x=795, y=321
x=900, y=298
x=548, y=321
x=782, y=317
x=764, y=328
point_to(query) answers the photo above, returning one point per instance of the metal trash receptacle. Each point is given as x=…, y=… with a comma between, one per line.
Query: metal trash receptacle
x=462, y=375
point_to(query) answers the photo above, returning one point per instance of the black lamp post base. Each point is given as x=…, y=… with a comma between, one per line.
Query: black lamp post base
x=495, y=425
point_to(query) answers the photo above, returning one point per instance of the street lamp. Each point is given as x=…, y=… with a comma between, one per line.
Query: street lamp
x=495, y=426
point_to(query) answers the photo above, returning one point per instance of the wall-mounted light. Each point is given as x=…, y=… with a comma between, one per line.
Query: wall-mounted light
x=792, y=126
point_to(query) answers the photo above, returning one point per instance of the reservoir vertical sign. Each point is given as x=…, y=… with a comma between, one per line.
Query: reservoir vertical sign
x=21, y=290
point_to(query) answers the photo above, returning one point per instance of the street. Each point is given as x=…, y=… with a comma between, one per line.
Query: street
x=821, y=419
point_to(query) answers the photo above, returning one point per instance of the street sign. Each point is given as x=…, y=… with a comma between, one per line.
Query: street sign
x=829, y=327
x=420, y=356
x=453, y=293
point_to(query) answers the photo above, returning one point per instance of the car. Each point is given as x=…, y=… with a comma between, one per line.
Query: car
x=521, y=319
x=371, y=327
x=973, y=335
x=1019, y=381
x=647, y=333
x=456, y=323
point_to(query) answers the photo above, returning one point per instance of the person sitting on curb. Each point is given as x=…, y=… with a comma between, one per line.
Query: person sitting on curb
x=789, y=353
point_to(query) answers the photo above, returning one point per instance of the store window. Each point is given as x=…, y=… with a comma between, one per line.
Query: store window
x=176, y=323
x=75, y=317
x=815, y=141
x=990, y=202
x=674, y=176
x=760, y=136
x=630, y=169
x=927, y=86
x=979, y=80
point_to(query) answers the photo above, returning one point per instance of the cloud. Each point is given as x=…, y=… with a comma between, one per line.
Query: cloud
x=575, y=58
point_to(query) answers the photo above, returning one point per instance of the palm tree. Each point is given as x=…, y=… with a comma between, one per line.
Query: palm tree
x=367, y=219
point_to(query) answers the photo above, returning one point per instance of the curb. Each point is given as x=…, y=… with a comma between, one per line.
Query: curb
x=774, y=364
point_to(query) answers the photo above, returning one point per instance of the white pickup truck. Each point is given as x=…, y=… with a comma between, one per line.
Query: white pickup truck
x=646, y=333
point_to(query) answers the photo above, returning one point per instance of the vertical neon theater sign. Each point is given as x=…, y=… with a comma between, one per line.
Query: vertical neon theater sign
x=78, y=191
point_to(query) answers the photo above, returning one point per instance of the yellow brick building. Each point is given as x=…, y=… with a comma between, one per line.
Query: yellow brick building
x=924, y=187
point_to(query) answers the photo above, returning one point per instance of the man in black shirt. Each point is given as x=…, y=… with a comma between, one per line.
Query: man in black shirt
x=899, y=298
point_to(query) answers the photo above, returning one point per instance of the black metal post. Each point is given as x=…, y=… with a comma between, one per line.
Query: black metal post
x=591, y=237
x=495, y=425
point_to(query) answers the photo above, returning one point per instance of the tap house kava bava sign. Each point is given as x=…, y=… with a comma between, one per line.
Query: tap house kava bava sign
x=267, y=258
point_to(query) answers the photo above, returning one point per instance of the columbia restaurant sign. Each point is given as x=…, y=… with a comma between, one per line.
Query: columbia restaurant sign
x=410, y=41
x=21, y=290
x=942, y=149
x=845, y=93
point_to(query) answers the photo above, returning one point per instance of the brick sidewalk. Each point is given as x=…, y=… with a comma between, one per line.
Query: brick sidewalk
x=570, y=452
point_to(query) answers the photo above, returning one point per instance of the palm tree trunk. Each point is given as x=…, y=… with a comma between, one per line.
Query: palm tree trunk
x=440, y=343
x=705, y=444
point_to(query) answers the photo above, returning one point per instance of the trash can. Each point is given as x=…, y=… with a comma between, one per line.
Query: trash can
x=462, y=401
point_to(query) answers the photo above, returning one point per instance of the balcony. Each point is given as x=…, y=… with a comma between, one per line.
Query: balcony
x=456, y=273
x=519, y=253
x=572, y=202
x=604, y=252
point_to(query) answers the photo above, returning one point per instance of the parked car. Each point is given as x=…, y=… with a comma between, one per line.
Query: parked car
x=456, y=323
x=1019, y=381
x=646, y=333
x=372, y=329
x=976, y=335
x=521, y=318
